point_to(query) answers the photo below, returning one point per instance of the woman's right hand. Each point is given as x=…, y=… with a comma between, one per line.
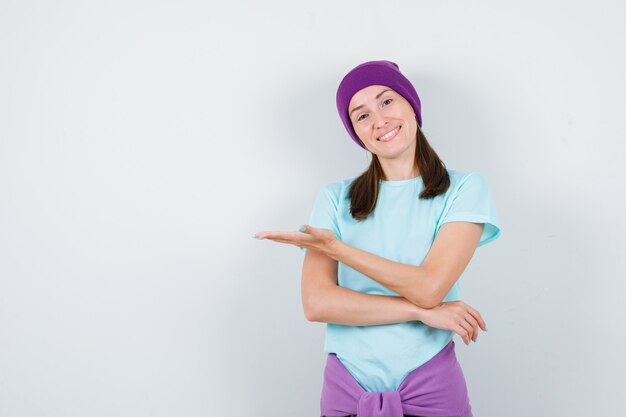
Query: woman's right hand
x=455, y=316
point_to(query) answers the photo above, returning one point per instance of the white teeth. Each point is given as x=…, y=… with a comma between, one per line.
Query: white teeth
x=388, y=135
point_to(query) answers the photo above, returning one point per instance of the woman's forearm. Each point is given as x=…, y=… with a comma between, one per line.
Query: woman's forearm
x=410, y=281
x=342, y=305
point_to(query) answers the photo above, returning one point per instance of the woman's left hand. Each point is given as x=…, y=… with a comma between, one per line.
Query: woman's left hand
x=322, y=240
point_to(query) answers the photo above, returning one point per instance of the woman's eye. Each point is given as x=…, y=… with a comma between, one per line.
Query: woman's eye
x=389, y=99
x=359, y=118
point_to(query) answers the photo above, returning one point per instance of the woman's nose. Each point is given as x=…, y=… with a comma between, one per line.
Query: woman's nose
x=379, y=119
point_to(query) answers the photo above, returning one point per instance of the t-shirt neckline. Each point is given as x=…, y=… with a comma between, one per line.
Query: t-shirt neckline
x=397, y=183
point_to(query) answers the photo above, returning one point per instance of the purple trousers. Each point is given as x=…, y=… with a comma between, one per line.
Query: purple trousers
x=437, y=388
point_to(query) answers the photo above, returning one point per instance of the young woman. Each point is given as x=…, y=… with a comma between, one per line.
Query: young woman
x=384, y=253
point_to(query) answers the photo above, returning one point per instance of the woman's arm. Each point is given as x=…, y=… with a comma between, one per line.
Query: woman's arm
x=427, y=285
x=345, y=306
x=324, y=301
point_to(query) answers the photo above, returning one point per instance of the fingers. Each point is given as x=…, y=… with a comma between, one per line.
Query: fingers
x=478, y=318
x=285, y=233
x=466, y=320
x=475, y=314
x=467, y=331
x=299, y=242
x=290, y=242
x=283, y=241
x=472, y=322
x=472, y=319
x=460, y=330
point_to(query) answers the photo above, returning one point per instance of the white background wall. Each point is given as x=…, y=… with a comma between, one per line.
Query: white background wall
x=143, y=143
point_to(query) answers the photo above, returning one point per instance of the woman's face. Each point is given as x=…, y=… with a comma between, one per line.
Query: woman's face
x=383, y=120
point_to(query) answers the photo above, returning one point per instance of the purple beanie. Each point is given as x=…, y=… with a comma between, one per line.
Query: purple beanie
x=385, y=73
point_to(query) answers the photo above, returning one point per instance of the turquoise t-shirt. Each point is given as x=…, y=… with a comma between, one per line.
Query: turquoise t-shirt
x=401, y=228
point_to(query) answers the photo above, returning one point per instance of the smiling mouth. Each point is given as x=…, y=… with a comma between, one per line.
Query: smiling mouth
x=390, y=135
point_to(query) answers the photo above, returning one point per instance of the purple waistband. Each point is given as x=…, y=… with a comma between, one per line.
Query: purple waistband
x=437, y=388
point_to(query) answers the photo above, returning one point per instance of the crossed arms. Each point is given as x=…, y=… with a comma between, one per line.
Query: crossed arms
x=420, y=287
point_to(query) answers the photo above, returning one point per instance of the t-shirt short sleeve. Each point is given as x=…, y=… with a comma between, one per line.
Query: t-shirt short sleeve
x=473, y=202
x=324, y=212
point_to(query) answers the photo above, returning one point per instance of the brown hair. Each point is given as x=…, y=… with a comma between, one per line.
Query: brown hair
x=363, y=192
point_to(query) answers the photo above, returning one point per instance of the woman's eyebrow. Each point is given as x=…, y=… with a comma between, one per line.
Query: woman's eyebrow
x=379, y=94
